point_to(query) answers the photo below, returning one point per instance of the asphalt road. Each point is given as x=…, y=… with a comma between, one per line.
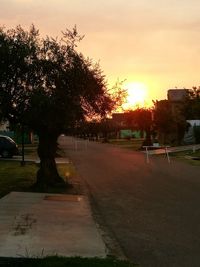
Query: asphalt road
x=152, y=209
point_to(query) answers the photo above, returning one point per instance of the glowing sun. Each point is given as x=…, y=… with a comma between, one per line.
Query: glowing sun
x=136, y=95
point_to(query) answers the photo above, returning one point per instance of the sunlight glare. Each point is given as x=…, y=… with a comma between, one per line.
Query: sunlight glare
x=136, y=95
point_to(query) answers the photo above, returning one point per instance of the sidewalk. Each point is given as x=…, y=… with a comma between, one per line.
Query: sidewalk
x=59, y=160
x=158, y=151
x=39, y=224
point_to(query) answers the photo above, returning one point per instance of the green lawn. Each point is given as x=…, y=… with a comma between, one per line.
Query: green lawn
x=133, y=144
x=14, y=177
x=188, y=156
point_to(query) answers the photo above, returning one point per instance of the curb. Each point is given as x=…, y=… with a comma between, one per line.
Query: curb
x=114, y=248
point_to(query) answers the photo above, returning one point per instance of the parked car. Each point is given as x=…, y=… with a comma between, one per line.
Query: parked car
x=8, y=147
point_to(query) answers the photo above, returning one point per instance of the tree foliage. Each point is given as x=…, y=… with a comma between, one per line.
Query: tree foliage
x=170, y=121
x=141, y=119
x=163, y=117
x=192, y=105
x=49, y=87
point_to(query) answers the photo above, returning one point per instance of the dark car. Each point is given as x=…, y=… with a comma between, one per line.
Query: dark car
x=8, y=147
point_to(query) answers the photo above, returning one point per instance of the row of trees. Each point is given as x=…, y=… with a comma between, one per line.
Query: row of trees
x=48, y=87
x=139, y=119
x=166, y=121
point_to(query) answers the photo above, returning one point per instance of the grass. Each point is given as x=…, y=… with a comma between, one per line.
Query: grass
x=133, y=144
x=66, y=170
x=14, y=177
x=70, y=262
x=188, y=156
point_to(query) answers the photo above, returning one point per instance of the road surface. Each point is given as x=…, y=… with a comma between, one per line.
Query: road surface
x=152, y=209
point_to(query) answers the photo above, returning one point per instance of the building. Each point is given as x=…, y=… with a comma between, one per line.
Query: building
x=170, y=119
x=177, y=95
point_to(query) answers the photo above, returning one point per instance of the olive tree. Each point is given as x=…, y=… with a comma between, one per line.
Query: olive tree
x=49, y=87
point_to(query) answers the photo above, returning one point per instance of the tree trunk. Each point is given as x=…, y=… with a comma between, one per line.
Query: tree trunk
x=47, y=175
x=147, y=141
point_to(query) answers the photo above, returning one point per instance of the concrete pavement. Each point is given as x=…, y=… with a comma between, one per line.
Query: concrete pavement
x=159, y=151
x=60, y=160
x=39, y=224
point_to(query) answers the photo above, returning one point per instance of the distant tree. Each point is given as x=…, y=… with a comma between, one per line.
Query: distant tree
x=103, y=126
x=163, y=119
x=141, y=119
x=192, y=104
x=87, y=129
x=169, y=121
x=170, y=116
x=192, y=109
x=49, y=87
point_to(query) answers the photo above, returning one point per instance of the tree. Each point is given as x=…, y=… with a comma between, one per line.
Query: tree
x=192, y=104
x=170, y=121
x=163, y=120
x=192, y=110
x=141, y=119
x=49, y=87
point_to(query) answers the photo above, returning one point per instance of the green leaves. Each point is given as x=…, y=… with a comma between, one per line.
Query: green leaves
x=46, y=84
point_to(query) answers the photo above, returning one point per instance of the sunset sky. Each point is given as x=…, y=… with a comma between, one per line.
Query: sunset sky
x=154, y=43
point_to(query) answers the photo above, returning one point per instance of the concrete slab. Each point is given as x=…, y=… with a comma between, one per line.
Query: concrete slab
x=60, y=160
x=19, y=159
x=38, y=224
x=174, y=149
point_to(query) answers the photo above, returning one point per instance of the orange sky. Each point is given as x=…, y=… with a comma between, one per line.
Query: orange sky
x=153, y=42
